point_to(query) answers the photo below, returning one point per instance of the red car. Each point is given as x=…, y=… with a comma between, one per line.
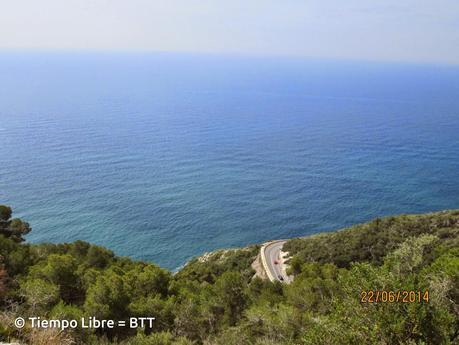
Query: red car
x=276, y=262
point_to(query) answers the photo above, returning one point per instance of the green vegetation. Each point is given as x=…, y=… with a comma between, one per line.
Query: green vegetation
x=217, y=300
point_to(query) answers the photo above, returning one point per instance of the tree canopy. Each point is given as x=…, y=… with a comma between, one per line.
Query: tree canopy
x=216, y=299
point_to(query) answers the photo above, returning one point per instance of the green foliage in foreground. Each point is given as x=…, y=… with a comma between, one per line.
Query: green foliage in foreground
x=215, y=299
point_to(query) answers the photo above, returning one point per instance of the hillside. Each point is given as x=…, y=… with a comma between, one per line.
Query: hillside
x=216, y=299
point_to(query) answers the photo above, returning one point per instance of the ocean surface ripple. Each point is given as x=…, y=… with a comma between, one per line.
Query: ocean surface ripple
x=162, y=157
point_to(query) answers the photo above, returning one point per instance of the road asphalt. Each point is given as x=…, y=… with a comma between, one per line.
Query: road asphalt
x=274, y=262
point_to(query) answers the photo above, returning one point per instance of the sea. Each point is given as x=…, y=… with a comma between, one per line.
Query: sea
x=165, y=156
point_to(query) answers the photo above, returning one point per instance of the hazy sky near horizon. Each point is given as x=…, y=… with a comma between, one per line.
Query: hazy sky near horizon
x=395, y=30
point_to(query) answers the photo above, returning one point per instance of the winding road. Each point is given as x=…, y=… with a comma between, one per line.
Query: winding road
x=273, y=262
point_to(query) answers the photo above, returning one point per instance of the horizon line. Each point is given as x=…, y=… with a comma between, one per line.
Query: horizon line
x=235, y=54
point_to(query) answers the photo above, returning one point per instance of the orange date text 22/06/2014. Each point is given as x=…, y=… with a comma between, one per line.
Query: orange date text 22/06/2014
x=396, y=296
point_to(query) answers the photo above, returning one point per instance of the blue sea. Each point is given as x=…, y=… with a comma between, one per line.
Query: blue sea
x=162, y=157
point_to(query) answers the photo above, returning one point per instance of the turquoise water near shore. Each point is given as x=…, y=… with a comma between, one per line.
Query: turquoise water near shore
x=162, y=157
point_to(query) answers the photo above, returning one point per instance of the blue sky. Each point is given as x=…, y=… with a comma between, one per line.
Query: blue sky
x=402, y=30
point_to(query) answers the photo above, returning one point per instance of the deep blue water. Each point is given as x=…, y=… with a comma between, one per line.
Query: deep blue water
x=162, y=157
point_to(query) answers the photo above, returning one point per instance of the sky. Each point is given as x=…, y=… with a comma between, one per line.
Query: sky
x=392, y=30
